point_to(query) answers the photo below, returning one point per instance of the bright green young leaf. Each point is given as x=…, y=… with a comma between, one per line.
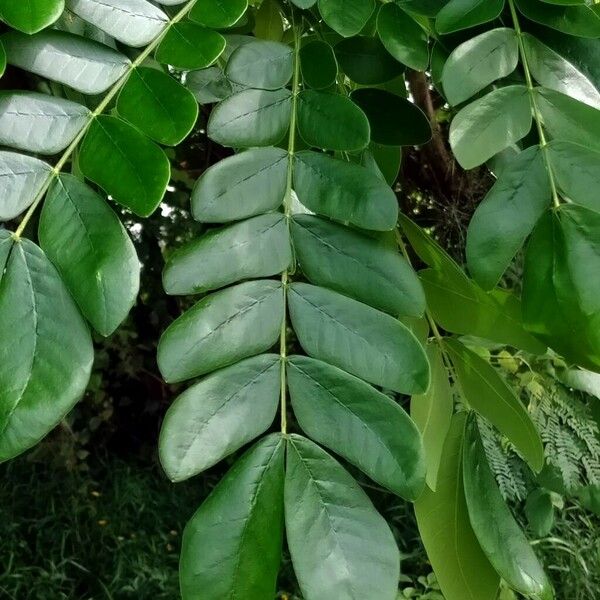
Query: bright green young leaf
x=126, y=164
x=582, y=21
x=540, y=512
x=218, y=14
x=507, y=215
x=38, y=122
x=218, y=415
x=478, y=62
x=190, y=46
x=346, y=17
x=158, y=105
x=394, y=121
x=403, y=37
x=331, y=121
x=365, y=60
x=432, y=412
x=222, y=328
x=490, y=124
x=241, y=186
x=488, y=394
x=91, y=249
x=268, y=22
x=461, y=567
x=257, y=247
x=133, y=22
x=21, y=179
x=30, y=16
x=344, y=191
x=319, y=65
x=357, y=338
x=353, y=419
x=231, y=547
x=83, y=64
x=501, y=538
x=462, y=14
x=46, y=352
x=358, y=265
x=251, y=118
x=261, y=64
x=340, y=546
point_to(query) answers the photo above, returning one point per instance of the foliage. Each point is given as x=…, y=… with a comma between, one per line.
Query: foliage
x=308, y=303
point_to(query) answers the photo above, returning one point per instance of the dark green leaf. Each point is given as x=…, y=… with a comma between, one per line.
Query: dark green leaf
x=268, y=21
x=462, y=14
x=427, y=8
x=30, y=16
x=583, y=21
x=346, y=17
x=190, y=46
x=384, y=160
x=218, y=14
x=319, y=65
x=540, y=512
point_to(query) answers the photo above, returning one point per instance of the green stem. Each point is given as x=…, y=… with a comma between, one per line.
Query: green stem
x=287, y=206
x=536, y=112
x=113, y=91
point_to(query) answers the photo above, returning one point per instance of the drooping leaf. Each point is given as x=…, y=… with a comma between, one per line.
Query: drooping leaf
x=581, y=20
x=222, y=328
x=488, y=394
x=39, y=123
x=126, y=164
x=357, y=338
x=344, y=191
x=190, y=46
x=319, y=65
x=346, y=17
x=256, y=247
x=462, y=14
x=89, y=246
x=341, y=547
x=218, y=14
x=358, y=265
x=30, y=16
x=218, y=415
x=81, y=63
x=490, y=124
x=241, y=186
x=41, y=379
x=501, y=538
x=461, y=567
x=232, y=545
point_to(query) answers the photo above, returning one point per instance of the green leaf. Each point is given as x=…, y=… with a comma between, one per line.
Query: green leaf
x=6, y=244
x=365, y=60
x=427, y=8
x=319, y=65
x=221, y=329
x=158, y=105
x=261, y=64
x=190, y=46
x=89, y=246
x=460, y=566
x=386, y=159
x=432, y=413
x=340, y=546
x=500, y=536
x=475, y=64
x=46, y=352
x=258, y=176
x=39, y=123
x=507, y=215
x=394, y=121
x=209, y=85
x=552, y=71
x=218, y=415
x=21, y=180
x=577, y=171
x=126, y=164
x=346, y=17
x=490, y=124
x=218, y=14
x=256, y=247
x=30, y=16
x=358, y=265
x=403, y=37
x=582, y=21
x=268, y=21
x=344, y=191
x=231, y=547
x=569, y=120
x=540, y=512
x=462, y=14
x=304, y=3
x=357, y=338
x=353, y=419
x=2, y=59
x=331, y=121
x=83, y=64
x=133, y=22
x=488, y=394
x=251, y=118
